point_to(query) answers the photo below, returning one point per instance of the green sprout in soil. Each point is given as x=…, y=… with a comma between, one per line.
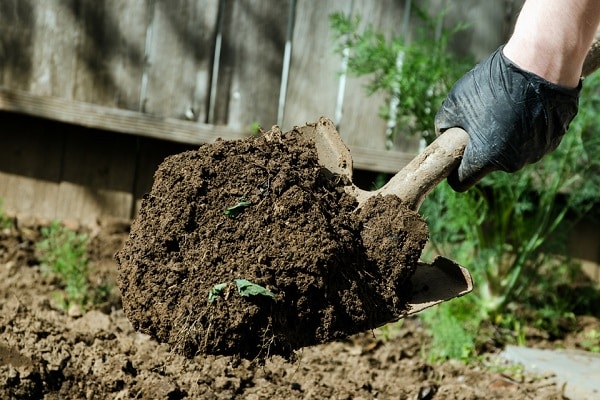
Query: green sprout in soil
x=591, y=341
x=63, y=255
x=235, y=210
x=245, y=289
x=5, y=221
x=215, y=292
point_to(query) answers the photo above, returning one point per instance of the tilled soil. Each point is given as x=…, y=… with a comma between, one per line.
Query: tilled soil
x=46, y=353
x=262, y=212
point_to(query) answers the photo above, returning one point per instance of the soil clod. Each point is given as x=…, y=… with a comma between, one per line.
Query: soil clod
x=262, y=210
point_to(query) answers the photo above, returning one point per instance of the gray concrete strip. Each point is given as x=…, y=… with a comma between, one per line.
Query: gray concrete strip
x=578, y=371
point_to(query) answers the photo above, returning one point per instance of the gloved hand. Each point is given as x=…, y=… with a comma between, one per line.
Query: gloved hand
x=513, y=118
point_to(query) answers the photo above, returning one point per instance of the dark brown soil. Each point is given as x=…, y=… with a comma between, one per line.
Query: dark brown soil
x=48, y=354
x=324, y=271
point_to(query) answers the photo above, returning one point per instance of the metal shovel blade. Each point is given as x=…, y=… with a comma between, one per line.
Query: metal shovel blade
x=437, y=282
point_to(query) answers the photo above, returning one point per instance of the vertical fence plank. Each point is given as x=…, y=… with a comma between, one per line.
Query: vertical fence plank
x=99, y=60
x=314, y=68
x=254, y=35
x=361, y=125
x=110, y=51
x=97, y=176
x=16, y=43
x=490, y=23
x=30, y=165
x=180, y=57
x=38, y=47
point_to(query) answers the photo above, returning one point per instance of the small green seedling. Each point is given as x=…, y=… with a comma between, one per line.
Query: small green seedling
x=247, y=288
x=5, y=221
x=234, y=211
x=216, y=291
x=63, y=254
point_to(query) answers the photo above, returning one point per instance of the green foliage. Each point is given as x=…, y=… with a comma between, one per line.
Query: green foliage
x=389, y=331
x=255, y=128
x=63, y=254
x=510, y=229
x=216, y=291
x=247, y=288
x=591, y=341
x=237, y=209
x=453, y=327
x=417, y=74
x=5, y=221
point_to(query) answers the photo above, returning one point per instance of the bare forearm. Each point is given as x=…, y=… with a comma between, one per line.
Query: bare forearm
x=552, y=37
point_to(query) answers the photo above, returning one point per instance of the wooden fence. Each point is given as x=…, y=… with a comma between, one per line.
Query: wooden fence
x=110, y=87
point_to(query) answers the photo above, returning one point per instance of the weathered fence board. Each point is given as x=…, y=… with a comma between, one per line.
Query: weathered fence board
x=314, y=67
x=317, y=70
x=29, y=169
x=179, y=38
x=109, y=52
x=97, y=176
x=53, y=67
x=112, y=119
x=60, y=173
x=254, y=35
x=361, y=125
x=17, y=23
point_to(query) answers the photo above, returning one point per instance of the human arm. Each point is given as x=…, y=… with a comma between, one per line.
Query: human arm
x=552, y=37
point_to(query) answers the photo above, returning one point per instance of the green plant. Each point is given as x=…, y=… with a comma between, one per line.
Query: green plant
x=415, y=76
x=237, y=209
x=63, y=254
x=591, y=341
x=216, y=291
x=515, y=372
x=5, y=221
x=389, y=331
x=511, y=229
x=245, y=288
x=453, y=327
x=255, y=128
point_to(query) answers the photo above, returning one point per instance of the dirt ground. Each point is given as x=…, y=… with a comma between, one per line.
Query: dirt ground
x=48, y=354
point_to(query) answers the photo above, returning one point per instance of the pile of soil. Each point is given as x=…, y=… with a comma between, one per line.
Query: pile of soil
x=262, y=212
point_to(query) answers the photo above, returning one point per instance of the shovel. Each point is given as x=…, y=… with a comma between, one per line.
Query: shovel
x=433, y=283
x=163, y=276
x=443, y=279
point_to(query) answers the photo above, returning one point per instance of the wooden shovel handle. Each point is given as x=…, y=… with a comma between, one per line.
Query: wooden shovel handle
x=417, y=179
x=420, y=176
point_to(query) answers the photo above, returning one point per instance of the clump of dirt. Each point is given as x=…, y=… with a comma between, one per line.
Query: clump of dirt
x=264, y=211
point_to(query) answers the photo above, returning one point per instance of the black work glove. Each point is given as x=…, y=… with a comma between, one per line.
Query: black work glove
x=513, y=118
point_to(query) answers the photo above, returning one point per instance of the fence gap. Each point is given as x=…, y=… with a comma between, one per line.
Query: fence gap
x=287, y=57
x=148, y=55
x=395, y=100
x=339, y=102
x=216, y=61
